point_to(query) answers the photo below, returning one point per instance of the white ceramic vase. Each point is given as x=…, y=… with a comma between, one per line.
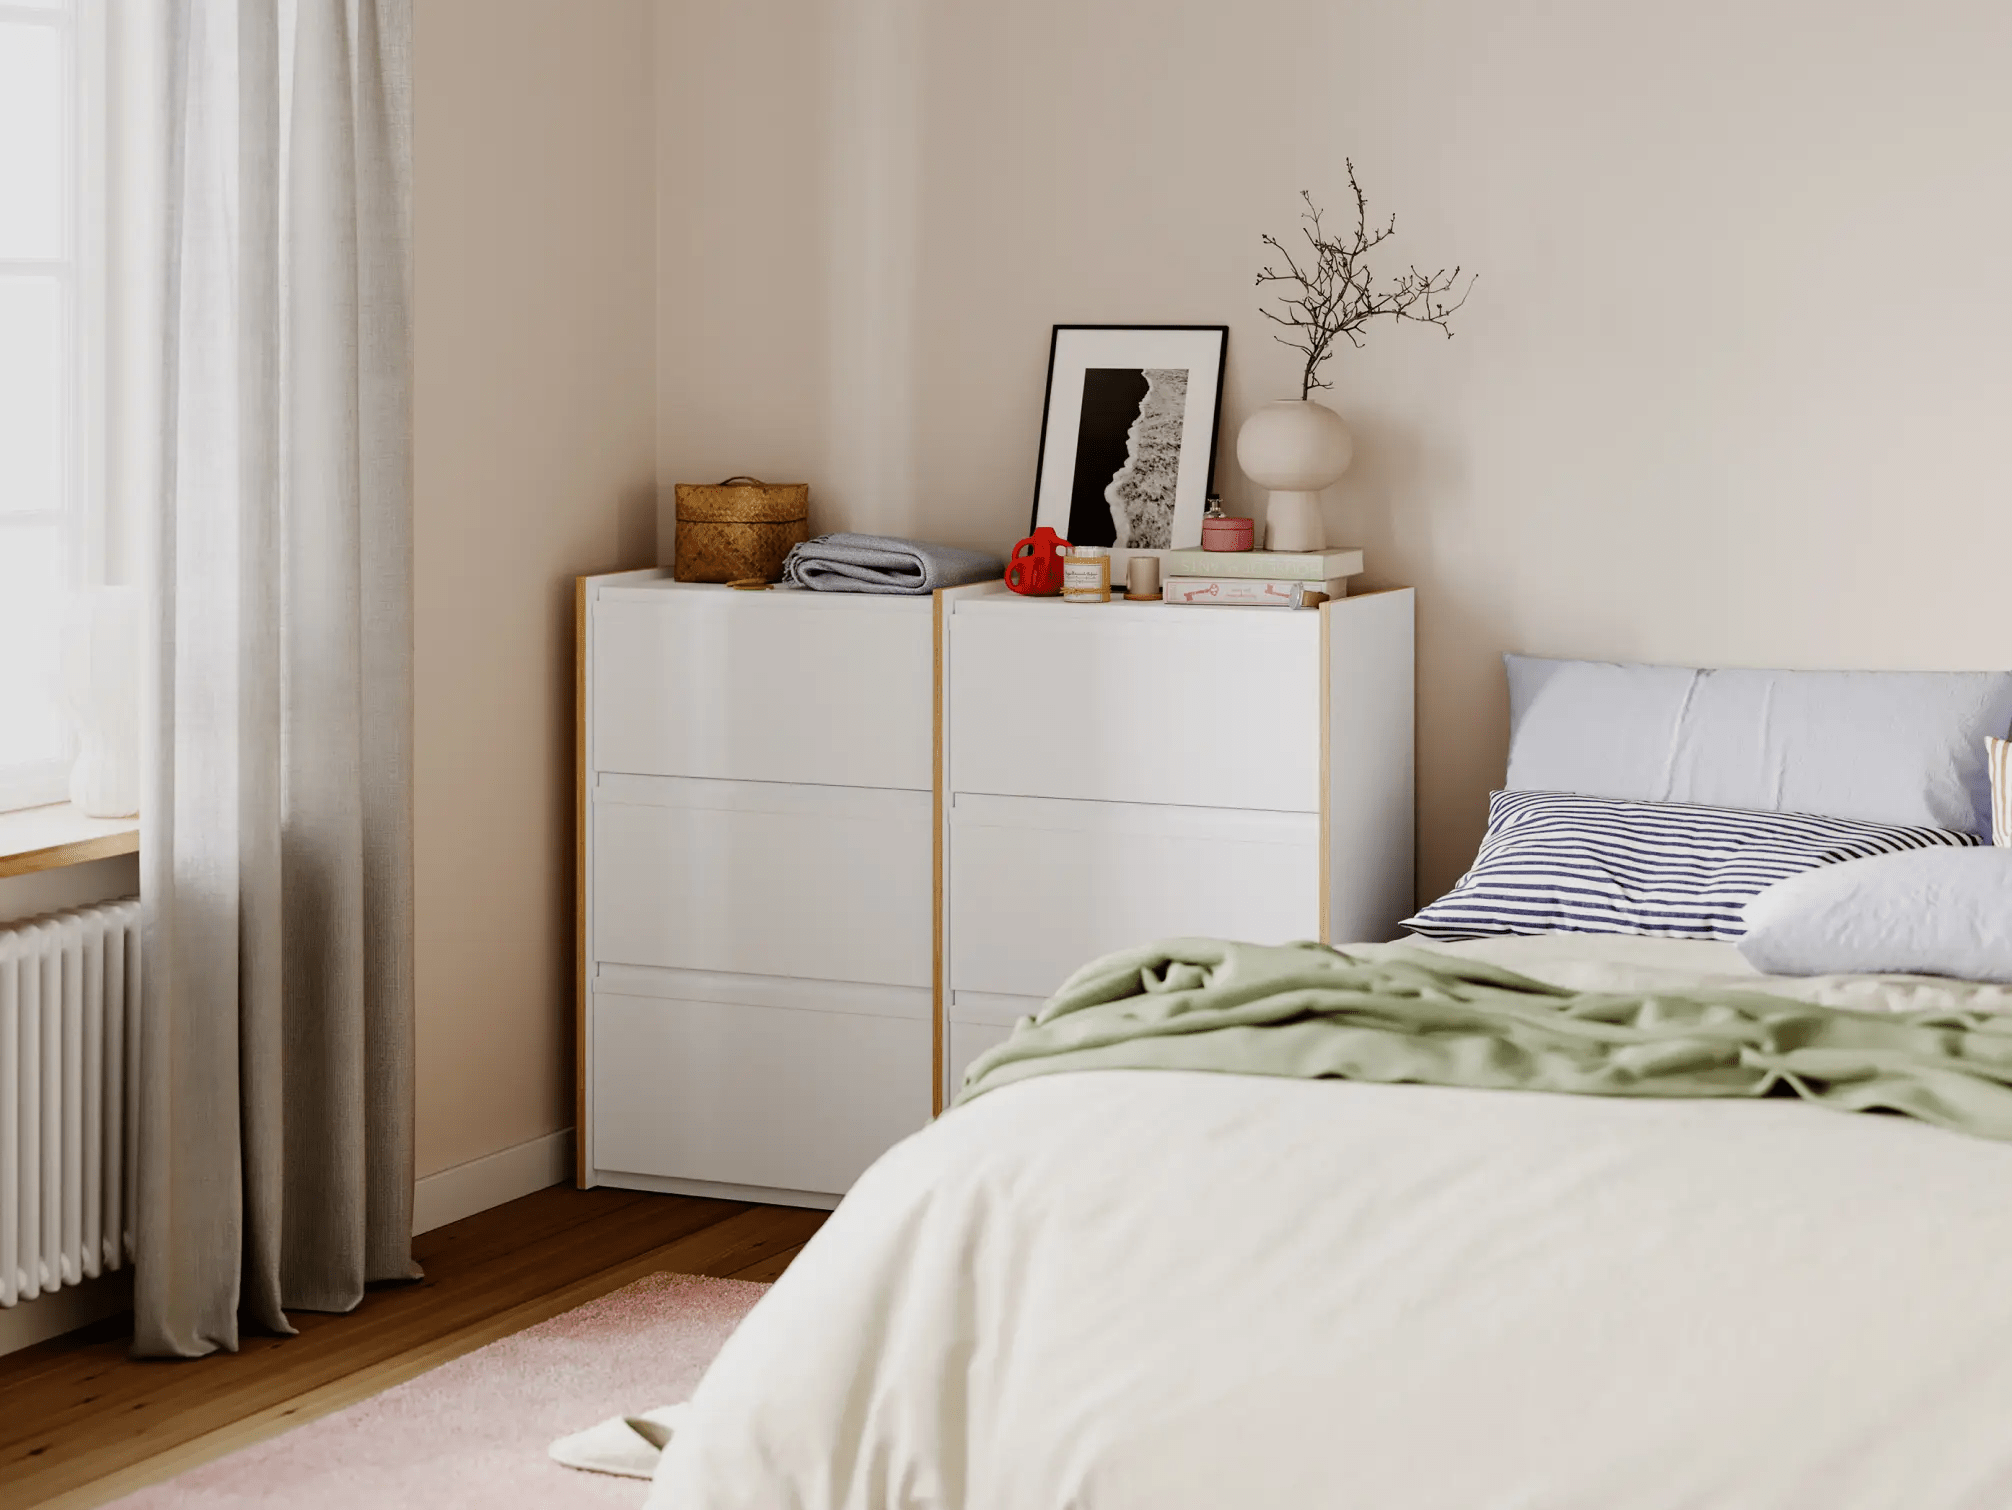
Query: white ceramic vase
x=100, y=649
x=1296, y=448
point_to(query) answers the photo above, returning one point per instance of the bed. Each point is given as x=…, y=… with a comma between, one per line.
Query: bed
x=1113, y=1289
x=1169, y=1290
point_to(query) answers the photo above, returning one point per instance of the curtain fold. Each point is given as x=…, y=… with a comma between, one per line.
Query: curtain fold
x=276, y=871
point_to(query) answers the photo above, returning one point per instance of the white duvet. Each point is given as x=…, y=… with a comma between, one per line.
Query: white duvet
x=1155, y=1291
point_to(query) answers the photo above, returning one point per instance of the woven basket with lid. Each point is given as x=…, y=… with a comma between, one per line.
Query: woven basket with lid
x=738, y=529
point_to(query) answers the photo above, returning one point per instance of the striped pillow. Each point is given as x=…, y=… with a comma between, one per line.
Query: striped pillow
x=1553, y=862
x=1998, y=755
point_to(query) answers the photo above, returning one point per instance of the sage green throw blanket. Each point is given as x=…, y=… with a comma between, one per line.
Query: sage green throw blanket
x=1388, y=1013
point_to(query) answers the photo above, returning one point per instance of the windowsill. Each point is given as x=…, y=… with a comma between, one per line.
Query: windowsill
x=48, y=838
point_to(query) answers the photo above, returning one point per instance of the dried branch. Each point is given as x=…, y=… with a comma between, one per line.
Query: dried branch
x=1335, y=293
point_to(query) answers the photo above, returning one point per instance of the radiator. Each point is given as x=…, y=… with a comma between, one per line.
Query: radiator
x=69, y=1032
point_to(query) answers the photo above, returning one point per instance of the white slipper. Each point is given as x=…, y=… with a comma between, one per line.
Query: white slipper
x=625, y=1445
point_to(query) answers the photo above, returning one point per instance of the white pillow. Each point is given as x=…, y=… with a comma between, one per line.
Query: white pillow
x=1926, y=912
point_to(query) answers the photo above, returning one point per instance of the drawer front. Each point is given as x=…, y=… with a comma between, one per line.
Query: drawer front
x=795, y=687
x=1038, y=888
x=967, y=1041
x=821, y=883
x=746, y=1095
x=1203, y=707
x=973, y=1021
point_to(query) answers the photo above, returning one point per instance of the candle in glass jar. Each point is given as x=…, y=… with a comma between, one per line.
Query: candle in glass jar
x=1086, y=574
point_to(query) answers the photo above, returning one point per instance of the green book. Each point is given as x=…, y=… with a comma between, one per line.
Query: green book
x=1281, y=566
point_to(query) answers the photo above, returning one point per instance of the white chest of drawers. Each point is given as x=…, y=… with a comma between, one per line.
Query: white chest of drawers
x=757, y=997
x=1125, y=773
x=831, y=846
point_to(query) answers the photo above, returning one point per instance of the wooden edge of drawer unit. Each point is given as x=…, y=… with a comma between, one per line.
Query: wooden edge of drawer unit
x=936, y=1034
x=581, y=1167
x=1326, y=774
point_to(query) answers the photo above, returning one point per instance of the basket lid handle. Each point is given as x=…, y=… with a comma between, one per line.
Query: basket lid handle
x=732, y=480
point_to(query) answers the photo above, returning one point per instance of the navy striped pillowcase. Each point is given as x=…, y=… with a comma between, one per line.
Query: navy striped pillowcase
x=1554, y=862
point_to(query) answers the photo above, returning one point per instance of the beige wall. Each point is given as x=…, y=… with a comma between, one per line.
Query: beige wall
x=1732, y=389
x=535, y=412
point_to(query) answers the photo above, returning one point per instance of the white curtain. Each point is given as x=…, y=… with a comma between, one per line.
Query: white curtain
x=276, y=882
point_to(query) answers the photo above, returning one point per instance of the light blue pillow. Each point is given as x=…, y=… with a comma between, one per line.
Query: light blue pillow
x=1904, y=747
x=1928, y=912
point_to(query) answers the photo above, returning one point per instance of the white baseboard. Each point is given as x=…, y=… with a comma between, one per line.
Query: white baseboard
x=464, y=1189
x=31, y=1321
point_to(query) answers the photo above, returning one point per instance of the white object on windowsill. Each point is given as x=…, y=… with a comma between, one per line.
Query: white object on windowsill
x=1295, y=448
x=101, y=694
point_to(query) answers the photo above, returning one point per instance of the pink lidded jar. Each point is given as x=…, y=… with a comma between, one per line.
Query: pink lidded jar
x=1220, y=533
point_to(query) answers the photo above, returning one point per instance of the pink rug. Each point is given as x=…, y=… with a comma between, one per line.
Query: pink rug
x=473, y=1432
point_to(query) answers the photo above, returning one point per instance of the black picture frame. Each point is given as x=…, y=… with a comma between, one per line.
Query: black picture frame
x=1111, y=375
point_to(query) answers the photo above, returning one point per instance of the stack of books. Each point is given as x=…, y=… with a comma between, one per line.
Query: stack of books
x=1256, y=579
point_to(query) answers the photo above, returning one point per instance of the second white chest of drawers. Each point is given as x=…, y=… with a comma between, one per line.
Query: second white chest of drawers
x=1121, y=773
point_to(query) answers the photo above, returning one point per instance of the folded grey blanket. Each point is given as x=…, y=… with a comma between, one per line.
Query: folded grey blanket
x=883, y=564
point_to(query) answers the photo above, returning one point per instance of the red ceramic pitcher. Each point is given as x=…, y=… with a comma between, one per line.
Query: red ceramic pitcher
x=1036, y=564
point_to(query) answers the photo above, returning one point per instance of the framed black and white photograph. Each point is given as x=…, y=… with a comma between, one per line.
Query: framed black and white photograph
x=1128, y=437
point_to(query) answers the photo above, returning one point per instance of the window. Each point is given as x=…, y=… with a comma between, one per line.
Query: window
x=48, y=475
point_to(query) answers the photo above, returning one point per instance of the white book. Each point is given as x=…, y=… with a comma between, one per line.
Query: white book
x=1248, y=592
x=1278, y=566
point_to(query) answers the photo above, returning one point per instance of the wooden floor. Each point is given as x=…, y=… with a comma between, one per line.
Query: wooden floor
x=81, y=1423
